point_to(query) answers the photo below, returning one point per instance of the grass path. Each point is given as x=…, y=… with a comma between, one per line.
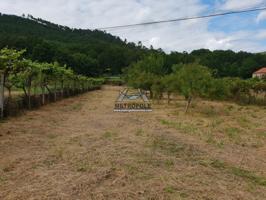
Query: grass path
x=79, y=148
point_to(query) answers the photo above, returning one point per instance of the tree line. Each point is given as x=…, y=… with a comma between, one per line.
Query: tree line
x=90, y=53
x=97, y=53
x=192, y=80
x=38, y=79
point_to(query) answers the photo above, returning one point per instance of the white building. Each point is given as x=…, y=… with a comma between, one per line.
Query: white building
x=260, y=73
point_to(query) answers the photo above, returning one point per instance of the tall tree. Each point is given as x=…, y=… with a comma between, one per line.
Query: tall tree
x=193, y=81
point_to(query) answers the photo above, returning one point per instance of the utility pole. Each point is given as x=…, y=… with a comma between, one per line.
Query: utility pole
x=2, y=98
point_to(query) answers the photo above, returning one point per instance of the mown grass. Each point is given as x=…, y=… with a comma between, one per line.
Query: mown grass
x=186, y=128
x=83, y=166
x=3, y=178
x=193, y=129
x=76, y=107
x=219, y=123
x=109, y=134
x=140, y=132
x=169, y=189
x=166, y=145
x=232, y=133
x=164, y=151
x=237, y=171
x=222, y=125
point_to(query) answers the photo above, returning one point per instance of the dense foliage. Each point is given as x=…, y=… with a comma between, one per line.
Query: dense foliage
x=91, y=53
x=96, y=53
x=27, y=75
x=192, y=80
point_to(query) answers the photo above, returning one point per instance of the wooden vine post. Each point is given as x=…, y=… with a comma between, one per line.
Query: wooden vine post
x=2, y=97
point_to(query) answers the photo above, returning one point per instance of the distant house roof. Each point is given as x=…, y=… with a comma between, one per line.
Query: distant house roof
x=261, y=71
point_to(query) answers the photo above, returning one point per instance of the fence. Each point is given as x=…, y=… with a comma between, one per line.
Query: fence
x=17, y=103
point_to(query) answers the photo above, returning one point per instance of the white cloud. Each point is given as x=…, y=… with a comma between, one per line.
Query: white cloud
x=261, y=35
x=238, y=41
x=154, y=41
x=240, y=4
x=181, y=36
x=261, y=17
x=215, y=43
x=243, y=4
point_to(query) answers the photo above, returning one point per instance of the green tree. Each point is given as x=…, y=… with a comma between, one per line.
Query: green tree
x=147, y=72
x=28, y=72
x=8, y=60
x=193, y=81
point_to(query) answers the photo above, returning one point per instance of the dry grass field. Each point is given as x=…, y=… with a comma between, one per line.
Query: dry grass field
x=79, y=148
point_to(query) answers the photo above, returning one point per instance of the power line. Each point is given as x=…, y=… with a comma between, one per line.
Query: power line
x=184, y=19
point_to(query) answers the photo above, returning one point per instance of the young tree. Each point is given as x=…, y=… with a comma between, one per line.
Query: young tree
x=220, y=89
x=8, y=59
x=28, y=72
x=69, y=75
x=171, y=85
x=45, y=78
x=146, y=72
x=158, y=88
x=259, y=88
x=193, y=81
x=241, y=90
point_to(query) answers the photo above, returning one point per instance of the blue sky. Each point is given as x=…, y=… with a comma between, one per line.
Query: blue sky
x=245, y=23
x=246, y=32
x=237, y=22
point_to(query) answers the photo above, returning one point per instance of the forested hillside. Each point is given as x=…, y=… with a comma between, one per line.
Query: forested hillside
x=96, y=53
x=90, y=53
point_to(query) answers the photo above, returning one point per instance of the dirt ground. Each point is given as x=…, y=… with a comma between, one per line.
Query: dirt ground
x=79, y=148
